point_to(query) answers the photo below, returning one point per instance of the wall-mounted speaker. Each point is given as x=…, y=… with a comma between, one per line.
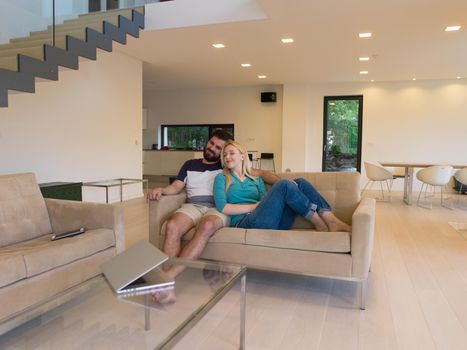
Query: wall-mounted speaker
x=268, y=97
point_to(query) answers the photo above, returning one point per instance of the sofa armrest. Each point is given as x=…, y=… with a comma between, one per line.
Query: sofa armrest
x=68, y=215
x=160, y=211
x=363, y=229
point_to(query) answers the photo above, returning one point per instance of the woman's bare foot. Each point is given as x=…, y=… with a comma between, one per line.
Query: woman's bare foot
x=319, y=224
x=164, y=297
x=334, y=223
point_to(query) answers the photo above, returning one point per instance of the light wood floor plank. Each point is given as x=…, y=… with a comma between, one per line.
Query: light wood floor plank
x=412, y=332
x=376, y=329
x=305, y=328
x=341, y=326
x=277, y=303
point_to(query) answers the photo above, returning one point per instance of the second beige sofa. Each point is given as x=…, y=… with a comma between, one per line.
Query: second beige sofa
x=34, y=269
x=300, y=250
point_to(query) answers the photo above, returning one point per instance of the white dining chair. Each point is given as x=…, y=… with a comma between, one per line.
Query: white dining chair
x=377, y=173
x=461, y=177
x=436, y=176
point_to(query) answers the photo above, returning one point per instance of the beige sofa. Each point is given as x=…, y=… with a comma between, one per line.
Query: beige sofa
x=301, y=250
x=33, y=268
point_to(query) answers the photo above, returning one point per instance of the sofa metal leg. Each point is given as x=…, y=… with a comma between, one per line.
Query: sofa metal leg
x=363, y=287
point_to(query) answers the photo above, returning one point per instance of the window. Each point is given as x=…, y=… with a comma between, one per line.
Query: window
x=342, y=133
x=190, y=137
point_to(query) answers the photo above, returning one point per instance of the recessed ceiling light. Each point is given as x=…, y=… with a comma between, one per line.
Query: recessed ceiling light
x=363, y=72
x=218, y=46
x=287, y=40
x=364, y=58
x=452, y=28
x=365, y=35
x=414, y=78
x=458, y=77
x=372, y=80
x=262, y=76
x=246, y=65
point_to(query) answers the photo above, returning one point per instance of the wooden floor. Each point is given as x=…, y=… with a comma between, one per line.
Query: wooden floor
x=417, y=292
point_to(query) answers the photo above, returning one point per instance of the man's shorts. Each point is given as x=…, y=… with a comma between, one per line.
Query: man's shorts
x=196, y=212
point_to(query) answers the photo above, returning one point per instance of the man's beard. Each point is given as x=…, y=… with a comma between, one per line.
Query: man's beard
x=209, y=158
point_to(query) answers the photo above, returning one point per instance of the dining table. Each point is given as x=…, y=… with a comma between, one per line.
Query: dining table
x=409, y=172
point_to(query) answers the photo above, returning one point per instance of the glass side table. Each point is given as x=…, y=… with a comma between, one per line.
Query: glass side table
x=106, y=184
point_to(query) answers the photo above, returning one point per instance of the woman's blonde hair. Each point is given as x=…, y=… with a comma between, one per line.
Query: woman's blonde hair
x=246, y=164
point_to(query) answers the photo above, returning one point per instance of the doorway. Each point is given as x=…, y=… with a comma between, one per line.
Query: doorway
x=342, y=133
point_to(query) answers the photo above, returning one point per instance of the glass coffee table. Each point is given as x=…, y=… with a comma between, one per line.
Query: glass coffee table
x=97, y=318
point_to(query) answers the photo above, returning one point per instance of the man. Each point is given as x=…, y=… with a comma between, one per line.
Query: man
x=197, y=175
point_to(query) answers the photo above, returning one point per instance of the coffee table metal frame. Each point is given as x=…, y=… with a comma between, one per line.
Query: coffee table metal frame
x=179, y=332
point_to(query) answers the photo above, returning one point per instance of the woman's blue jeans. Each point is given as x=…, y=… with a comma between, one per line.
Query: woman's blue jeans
x=283, y=201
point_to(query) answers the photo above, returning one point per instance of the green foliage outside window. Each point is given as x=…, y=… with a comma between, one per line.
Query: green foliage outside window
x=187, y=137
x=343, y=126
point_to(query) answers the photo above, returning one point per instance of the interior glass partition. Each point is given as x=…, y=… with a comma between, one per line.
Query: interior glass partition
x=17, y=19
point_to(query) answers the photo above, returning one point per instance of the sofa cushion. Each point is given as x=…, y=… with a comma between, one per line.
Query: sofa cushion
x=23, y=214
x=12, y=268
x=41, y=254
x=332, y=242
x=224, y=235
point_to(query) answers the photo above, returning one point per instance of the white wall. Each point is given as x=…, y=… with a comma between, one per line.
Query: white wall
x=85, y=127
x=296, y=128
x=258, y=125
x=404, y=121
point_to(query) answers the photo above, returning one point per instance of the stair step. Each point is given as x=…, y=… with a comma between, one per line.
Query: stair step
x=10, y=63
x=76, y=25
x=99, y=16
x=60, y=42
x=10, y=60
x=26, y=43
x=63, y=31
x=124, y=12
x=78, y=34
x=81, y=23
x=33, y=51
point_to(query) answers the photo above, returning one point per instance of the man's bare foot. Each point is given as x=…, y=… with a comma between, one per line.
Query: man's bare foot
x=319, y=224
x=164, y=297
x=335, y=224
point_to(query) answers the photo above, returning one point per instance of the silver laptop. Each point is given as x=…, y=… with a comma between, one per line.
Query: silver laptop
x=135, y=270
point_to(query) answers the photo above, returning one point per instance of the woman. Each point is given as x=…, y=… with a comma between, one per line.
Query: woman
x=243, y=197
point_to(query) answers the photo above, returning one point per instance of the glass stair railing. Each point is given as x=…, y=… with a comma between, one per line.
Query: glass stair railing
x=37, y=36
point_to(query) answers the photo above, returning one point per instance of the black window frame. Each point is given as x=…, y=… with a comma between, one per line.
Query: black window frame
x=360, y=123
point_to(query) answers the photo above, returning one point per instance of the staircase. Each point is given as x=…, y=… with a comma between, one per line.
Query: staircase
x=41, y=53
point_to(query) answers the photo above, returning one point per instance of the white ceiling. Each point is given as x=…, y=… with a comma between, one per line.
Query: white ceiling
x=409, y=41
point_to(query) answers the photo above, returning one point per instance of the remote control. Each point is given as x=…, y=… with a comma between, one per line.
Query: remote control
x=68, y=234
